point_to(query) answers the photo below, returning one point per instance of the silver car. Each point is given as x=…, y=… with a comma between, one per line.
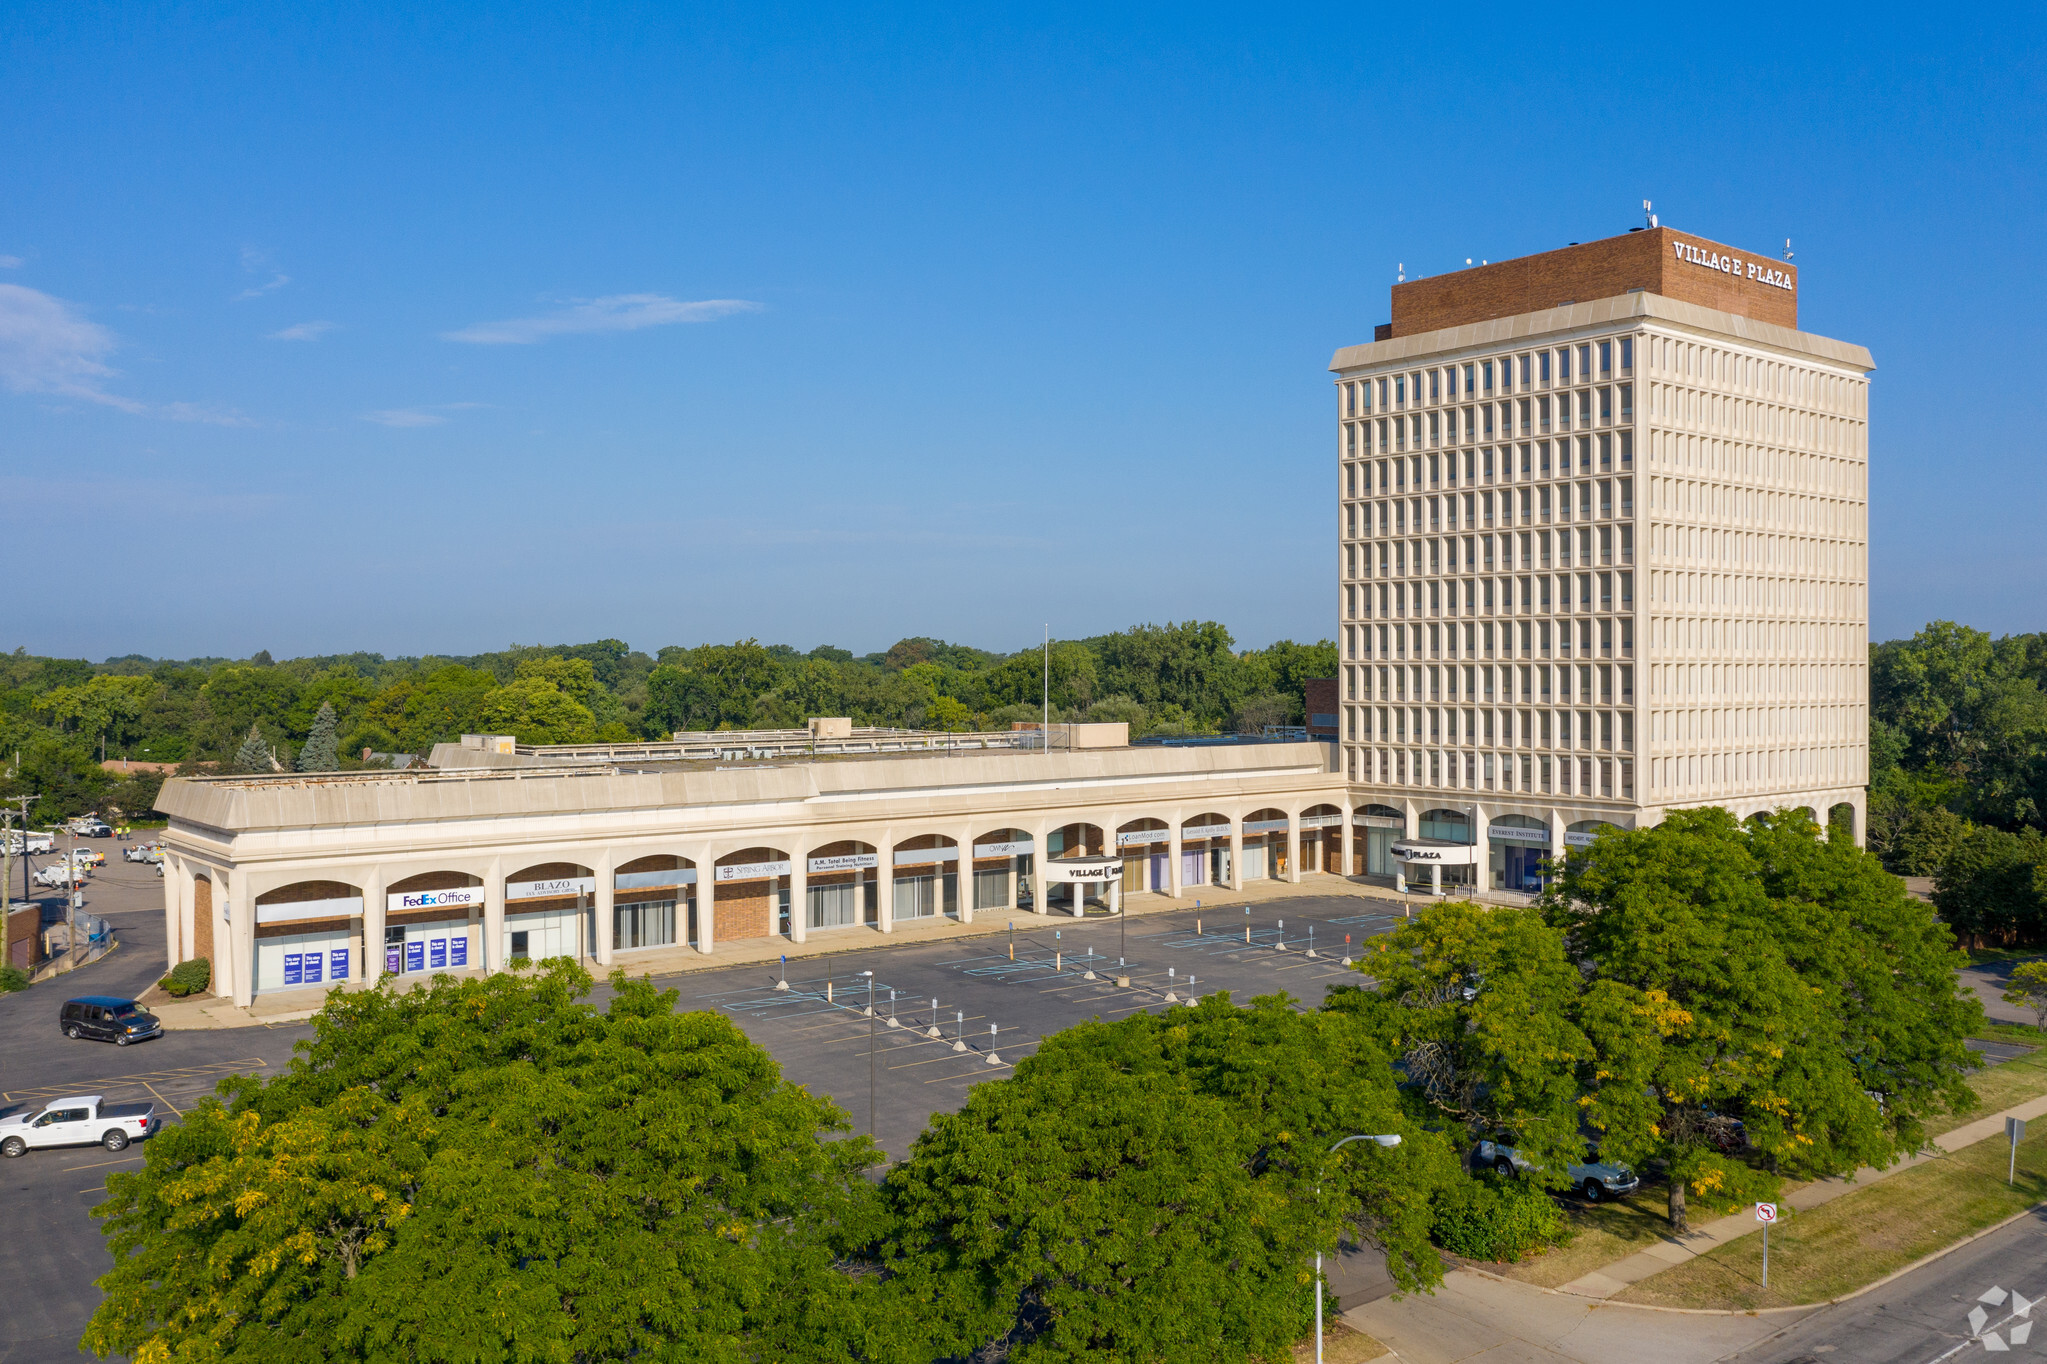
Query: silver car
x=1594, y=1179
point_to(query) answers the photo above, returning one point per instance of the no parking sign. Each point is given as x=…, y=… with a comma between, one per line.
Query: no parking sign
x=1766, y=1212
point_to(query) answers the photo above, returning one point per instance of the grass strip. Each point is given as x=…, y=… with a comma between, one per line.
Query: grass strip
x=1858, y=1238
x=1340, y=1345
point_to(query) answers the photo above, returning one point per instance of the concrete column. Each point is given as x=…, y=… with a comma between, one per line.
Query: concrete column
x=373, y=905
x=1173, y=857
x=1436, y=878
x=1556, y=835
x=493, y=955
x=607, y=923
x=1293, y=847
x=1236, y=852
x=1346, y=851
x=172, y=925
x=799, y=893
x=240, y=937
x=963, y=874
x=1038, y=836
x=885, y=886
x=1482, y=870
x=707, y=903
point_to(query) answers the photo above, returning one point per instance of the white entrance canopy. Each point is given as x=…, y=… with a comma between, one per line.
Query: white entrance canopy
x=1436, y=852
x=1099, y=869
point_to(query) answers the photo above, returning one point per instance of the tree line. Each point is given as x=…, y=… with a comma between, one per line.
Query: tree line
x=60, y=717
x=496, y=1169
x=1958, y=775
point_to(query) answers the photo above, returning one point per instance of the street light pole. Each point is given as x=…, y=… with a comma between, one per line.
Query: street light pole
x=870, y=1057
x=1388, y=1139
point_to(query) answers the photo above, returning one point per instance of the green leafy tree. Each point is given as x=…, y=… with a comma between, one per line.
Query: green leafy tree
x=537, y=711
x=1792, y=986
x=1480, y=1006
x=1989, y=886
x=106, y=707
x=320, y=753
x=491, y=1169
x=1147, y=1189
x=2027, y=988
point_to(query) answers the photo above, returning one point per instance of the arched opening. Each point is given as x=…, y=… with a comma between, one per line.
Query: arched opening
x=1841, y=823
x=1205, y=850
x=548, y=912
x=1265, y=842
x=1811, y=817
x=841, y=886
x=653, y=902
x=1322, y=839
x=308, y=934
x=1380, y=826
x=432, y=922
x=1518, y=845
x=926, y=877
x=1586, y=831
x=1073, y=840
x=1450, y=826
x=1144, y=845
x=1002, y=869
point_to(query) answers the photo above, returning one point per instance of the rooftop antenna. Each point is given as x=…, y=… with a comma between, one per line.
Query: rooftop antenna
x=1646, y=209
x=1787, y=248
x=1403, y=272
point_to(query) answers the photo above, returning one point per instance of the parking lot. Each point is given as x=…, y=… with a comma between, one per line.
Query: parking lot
x=817, y=1029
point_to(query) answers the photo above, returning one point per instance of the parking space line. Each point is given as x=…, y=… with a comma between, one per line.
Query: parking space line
x=97, y=1164
x=176, y=1112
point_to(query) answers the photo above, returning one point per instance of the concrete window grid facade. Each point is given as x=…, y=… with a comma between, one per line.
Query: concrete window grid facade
x=1630, y=573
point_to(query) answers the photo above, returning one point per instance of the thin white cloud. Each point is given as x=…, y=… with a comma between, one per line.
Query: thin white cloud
x=10, y=262
x=616, y=313
x=303, y=331
x=46, y=346
x=418, y=416
x=255, y=262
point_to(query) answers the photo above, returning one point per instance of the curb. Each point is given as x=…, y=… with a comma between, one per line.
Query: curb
x=1897, y=1273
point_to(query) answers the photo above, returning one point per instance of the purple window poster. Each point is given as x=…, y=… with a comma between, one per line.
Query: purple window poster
x=437, y=953
x=337, y=964
x=415, y=955
x=312, y=968
x=293, y=968
x=392, y=959
x=458, y=951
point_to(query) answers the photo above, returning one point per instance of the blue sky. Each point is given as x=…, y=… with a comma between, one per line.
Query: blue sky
x=441, y=328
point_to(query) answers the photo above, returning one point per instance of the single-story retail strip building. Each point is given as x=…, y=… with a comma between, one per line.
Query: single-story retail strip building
x=495, y=851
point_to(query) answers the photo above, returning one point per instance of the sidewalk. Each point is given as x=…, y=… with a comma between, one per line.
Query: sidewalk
x=293, y=1006
x=1604, y=1283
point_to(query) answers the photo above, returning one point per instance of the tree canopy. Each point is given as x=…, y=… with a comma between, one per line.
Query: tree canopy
x=1177, y=678
x=492, y=1169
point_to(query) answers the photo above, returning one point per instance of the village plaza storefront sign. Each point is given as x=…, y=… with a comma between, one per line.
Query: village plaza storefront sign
x=1443, y=854
x=1102, y=869
x=1756, y=270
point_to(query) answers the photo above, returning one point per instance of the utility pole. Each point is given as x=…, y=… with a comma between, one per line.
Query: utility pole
x=1048, y=689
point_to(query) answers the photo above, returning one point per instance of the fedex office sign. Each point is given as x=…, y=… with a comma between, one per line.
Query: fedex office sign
x=436, y=899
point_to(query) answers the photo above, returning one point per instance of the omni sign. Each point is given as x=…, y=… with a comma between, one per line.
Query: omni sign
x=1734, y=265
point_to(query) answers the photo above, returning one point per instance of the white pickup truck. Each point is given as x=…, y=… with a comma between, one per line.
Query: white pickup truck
x=80, y=1121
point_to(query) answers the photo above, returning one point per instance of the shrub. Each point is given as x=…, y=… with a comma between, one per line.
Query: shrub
x=1489, y=1217
x=188, y=977
x=12, y=978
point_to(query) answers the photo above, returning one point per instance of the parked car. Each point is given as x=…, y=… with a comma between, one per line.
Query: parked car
x=1593, y=1178
x=86, y=1120
x=107, y=1018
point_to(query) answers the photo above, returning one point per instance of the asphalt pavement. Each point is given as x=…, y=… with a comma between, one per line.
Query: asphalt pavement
x=51, y=1248
x=1925, y=1317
